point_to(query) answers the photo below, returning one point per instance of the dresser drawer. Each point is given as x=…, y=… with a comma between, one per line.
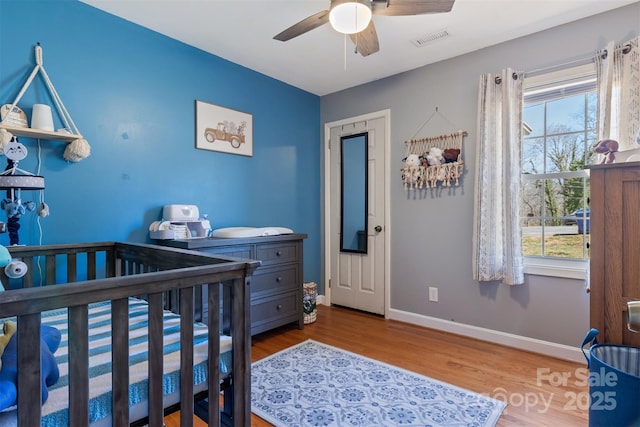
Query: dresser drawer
x=277, y=253
x=277, y=310
x=275, y=279
x=232, y=251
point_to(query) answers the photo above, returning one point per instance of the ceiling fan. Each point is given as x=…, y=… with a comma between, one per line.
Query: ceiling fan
x=353, y=17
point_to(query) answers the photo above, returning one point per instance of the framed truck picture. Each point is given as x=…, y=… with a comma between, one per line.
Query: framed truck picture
x=223, y=129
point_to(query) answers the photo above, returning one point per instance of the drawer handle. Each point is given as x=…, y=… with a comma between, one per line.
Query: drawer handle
x=278, y=253
x=279, y=279
x=279, y=306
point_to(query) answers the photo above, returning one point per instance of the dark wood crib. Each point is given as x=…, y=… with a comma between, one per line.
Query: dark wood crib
x=199, y=286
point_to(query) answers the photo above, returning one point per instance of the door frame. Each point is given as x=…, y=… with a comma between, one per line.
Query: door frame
x=326, y=216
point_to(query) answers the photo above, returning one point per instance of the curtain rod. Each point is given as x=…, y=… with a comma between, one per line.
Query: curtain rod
x=625, y=49
x=579, y=61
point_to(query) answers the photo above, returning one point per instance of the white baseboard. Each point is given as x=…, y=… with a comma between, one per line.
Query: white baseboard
x=561, y=351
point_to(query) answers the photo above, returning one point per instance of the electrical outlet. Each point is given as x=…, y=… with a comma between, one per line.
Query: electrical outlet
x=433, y=294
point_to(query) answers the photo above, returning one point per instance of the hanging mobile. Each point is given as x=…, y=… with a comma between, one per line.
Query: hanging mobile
x=14, y=180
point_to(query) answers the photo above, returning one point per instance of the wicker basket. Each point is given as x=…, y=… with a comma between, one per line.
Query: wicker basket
x=310, y=294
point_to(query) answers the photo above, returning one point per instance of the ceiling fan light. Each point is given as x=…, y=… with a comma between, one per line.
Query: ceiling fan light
x=350, y=17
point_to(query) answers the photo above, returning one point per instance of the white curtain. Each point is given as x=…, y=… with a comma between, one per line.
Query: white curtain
x=497, y=245
x=618, y=69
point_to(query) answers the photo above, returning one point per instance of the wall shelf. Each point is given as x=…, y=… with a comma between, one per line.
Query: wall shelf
x=40, y=134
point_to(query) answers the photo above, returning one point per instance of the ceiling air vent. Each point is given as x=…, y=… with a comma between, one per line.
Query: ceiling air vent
x=429, y=38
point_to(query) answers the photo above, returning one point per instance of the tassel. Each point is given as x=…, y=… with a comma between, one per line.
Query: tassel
x=77, y=150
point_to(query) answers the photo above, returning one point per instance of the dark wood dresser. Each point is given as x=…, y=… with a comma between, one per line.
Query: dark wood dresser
x=276, y=287
x=615, y=249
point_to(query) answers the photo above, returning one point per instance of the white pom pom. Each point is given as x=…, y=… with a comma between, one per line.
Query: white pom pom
x=43, y=210
x=77, y=150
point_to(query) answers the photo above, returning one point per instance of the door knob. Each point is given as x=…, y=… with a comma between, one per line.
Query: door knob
x=378, y=228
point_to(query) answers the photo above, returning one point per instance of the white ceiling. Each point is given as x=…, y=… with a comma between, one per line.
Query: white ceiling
x=242, y=31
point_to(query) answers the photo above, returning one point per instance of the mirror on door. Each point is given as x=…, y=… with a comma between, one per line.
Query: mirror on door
x=353, y=192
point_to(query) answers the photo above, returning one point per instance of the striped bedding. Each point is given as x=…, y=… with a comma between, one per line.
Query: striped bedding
x=55, y=412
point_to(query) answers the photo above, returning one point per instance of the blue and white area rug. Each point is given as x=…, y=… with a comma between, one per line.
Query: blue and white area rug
x=314, y=384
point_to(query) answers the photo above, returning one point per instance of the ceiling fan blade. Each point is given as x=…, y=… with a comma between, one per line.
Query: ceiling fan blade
x=307, y=24
x=410, y=7
x=366, y=41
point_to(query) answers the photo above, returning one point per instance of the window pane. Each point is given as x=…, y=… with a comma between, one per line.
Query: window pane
x=575, y=192
x=565, y=246
x=566, y=113
x=533, y=116
x=564, y=151
x=559, y=241
x=532, y=202
x=533, y=155
x=550, y=225
x=592, y=111
x=592, y=138
x=582, y=147
x=553, y=197
x=531, y=238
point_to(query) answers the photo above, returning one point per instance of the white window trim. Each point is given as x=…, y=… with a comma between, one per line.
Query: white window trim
x=549, y=81
x=557, y=267
x=555, y=175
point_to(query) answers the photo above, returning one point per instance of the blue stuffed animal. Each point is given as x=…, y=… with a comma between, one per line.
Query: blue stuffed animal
x=49, y=343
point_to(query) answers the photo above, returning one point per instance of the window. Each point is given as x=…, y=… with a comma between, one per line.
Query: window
x=559, y=132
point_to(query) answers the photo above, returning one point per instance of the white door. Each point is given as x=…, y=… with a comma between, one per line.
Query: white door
x=357, y=280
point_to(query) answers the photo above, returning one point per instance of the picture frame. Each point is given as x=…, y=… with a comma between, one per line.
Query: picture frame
x=223, y=129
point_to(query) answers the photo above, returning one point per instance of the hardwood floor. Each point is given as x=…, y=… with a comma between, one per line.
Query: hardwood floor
x=539, y=390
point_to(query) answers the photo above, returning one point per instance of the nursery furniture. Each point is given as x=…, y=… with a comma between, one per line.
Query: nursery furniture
x=71, y=280
x=276, y=289
x=615, y=249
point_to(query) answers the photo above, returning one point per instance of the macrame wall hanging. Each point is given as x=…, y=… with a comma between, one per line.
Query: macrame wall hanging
x=433, y=160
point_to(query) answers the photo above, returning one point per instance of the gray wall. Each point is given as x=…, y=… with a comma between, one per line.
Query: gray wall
x=431, y=235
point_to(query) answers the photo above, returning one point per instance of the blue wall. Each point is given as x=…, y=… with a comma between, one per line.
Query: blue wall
x=131, y=92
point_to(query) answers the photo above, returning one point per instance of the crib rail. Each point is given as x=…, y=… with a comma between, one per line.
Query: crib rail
x=114, y=272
